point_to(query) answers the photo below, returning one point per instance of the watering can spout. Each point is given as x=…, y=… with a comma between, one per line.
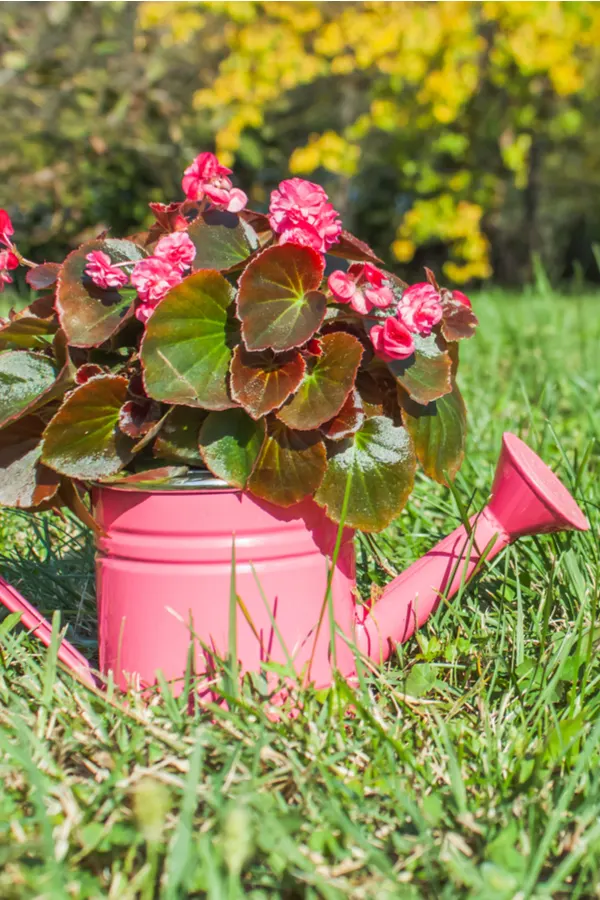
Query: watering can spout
x=527, y=498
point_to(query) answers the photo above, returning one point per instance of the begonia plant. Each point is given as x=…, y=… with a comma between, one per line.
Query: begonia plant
x=215, y=340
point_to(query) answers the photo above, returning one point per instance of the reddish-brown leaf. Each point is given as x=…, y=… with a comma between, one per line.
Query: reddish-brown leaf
x=290, y=464
x=351, y=247
x=261, y=382
x=138, y=417
x=278, y=301
x=43, y=276
x=24, y=481
x=328, y=380
x=349, y=419
x=459, y=319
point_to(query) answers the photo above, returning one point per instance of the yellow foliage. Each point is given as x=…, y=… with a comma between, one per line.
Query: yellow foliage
x=420, y=67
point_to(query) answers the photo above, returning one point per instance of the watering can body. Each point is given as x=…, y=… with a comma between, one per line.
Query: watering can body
x=173, y=566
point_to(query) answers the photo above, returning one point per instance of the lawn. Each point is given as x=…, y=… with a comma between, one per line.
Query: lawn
x=468, y=768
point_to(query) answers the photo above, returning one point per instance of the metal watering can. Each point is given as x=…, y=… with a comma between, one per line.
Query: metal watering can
x=164, y=573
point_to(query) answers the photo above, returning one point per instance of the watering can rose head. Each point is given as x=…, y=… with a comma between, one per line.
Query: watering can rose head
x=215, y=339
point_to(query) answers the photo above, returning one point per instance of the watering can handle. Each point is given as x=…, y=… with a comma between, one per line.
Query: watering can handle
x=42, y=629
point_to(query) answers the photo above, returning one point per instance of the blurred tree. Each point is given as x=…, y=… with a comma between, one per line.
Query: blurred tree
x=464, y=134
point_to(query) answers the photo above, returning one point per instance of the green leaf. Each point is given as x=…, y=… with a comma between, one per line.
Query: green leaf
x=349, y=419
x=426, y=375
x=177, y=440
x=24, y=481
x=222, y=240
x=31, y=326
x=328, y=381
x=278, y=301
x=83, y=439
x=88, y=314
x=230, y=442
x=380, y=461
x=438, y=431
x=27, y=381
x=261, y=382
x=290, y=465
x=187, y=347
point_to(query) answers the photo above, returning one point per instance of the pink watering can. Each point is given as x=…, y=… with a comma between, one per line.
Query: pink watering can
x=164, y=574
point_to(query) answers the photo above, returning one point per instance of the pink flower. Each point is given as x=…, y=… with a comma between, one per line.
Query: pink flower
x=461, y=298
x=6, y=228
x=205, y=168
x=8, y=261
x=177, y=250
x=152, y=279
x=362, y=287
x=206, y=177
x=392, y=340
x=300, y=213
x=420, y=308
x=102, y=272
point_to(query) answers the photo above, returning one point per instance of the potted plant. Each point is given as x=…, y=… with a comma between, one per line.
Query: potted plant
x=209, y=380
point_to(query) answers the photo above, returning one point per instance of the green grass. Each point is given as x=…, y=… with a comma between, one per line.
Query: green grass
x=468, y=768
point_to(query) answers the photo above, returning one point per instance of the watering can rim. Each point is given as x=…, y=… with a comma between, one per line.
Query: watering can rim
x=548, y=488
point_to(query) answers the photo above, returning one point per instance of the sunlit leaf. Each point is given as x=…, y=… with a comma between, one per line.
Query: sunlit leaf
x=230, y=442
x=24, y=481
x=459, y=319
x=261, y=382
x=150, y=476
x=223, y=240
x=43, y=276
x=328, y=380
x=187, y=347
x=438, y=431
x=83, y=439
x=278, y=301
x=426, y=375
x=27, y=381
x=349, y=419
x=290, y=464
x=88, y=314
x=138, y=417
x=351, y=247
x=380, y=462
x=177, y=440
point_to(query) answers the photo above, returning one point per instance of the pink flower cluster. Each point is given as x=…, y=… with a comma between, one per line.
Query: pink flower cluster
x=206, y=177
x=362, y=286
x=8, y=260
x=152, y=277
x=420, y=308
x=300, y=213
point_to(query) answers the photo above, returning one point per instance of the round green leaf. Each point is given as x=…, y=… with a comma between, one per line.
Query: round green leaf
x=27, y=381
x=380, y=462
x=438, y=431
x=426, y=375
x=177, y=440
x=88, y=314
x=24, y=482
x=290, y=465
x=261, y=382
x=186, y=350
x=222, y=240
x=328, y=381
x=229, y=443
x=84, y=440
x=278, y=301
